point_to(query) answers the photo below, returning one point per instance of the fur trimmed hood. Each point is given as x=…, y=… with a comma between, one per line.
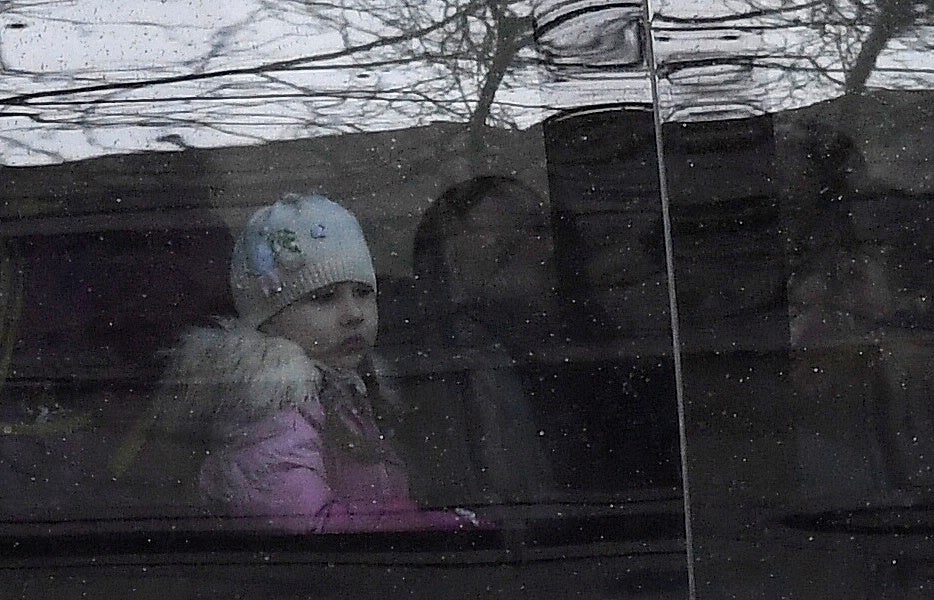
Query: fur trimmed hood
x=218, y=376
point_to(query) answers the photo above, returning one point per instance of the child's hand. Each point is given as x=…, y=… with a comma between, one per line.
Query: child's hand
x=468, y=515
x=470, y=520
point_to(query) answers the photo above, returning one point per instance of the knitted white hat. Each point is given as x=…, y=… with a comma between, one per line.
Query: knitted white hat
x=297, y=245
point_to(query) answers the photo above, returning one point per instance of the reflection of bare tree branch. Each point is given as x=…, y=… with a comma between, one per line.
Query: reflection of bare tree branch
x=788, y=53
x=406, y=62
x=221, y=41
x=511, y=35
x=303, y=62
x=13, y=142
x=892, y=17
x=754, y=12
x=402, y=63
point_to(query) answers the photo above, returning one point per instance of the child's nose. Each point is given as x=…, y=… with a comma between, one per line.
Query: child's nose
x=353, y=312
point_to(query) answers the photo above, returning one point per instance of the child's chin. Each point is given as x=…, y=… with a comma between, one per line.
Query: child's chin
x=347, y=361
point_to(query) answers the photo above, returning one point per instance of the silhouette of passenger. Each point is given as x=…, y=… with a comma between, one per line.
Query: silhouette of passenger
x=480, y=261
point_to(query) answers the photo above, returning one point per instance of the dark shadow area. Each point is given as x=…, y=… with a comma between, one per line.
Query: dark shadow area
x=100, y=300
x=616, y=386
x=803, y=285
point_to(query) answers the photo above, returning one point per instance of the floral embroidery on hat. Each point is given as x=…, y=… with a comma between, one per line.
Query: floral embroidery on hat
x=285, y=248
x=318, y=231
x=263, y=264
x=268, y=251
x=283, y=239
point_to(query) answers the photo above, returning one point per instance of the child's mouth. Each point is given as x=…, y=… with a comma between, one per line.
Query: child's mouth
x=354, y=344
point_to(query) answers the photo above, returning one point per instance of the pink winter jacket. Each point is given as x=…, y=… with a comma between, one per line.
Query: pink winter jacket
x=272, y=463
x=281, y=469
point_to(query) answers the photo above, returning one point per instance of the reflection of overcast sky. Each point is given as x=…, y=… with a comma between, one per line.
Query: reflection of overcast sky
x=54, y=46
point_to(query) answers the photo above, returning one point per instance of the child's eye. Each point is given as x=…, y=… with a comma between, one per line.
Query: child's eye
x=363, y=291
x=322, y=295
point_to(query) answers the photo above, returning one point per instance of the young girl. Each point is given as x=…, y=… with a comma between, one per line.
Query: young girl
x=479, y=266
x=285, y=392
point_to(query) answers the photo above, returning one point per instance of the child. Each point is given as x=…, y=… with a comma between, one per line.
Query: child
x=479, y=260
x=286, y=391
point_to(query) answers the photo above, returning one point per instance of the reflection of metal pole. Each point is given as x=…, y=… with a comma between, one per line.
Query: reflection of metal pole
x=672, y=294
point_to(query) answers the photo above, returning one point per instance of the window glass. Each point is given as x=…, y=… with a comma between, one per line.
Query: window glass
x=652, y=283
x=501, y=161
x=794, y=140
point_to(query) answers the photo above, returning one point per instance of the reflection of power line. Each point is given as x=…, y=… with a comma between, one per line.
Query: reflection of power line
x=745, y=15
x=262, y=68
x=374, y=95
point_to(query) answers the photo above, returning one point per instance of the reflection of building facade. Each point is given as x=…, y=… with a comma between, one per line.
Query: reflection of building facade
x=715, y=60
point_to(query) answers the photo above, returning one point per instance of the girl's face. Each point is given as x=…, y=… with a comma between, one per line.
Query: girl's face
x=502, y=254
x=335, y=324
